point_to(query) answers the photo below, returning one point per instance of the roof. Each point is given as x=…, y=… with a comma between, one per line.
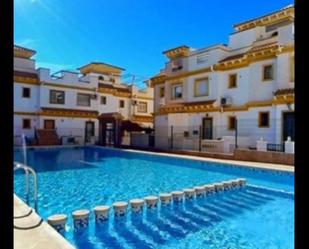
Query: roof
x=25, y=74
x=68, y=110
x=23, y=52
x=233, y=57
x=120, y=89
x=284, y=91
x=131, y=126
x=111, y=115
x=263, y=19
x=23, y=48
x=207, y=102
x=179, y=47
x=101, y=64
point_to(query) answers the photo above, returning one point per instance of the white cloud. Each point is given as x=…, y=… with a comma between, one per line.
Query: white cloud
x=56, y=67
x=26, y=42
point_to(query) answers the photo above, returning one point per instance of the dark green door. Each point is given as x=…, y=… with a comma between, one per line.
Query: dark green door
x=288, y=126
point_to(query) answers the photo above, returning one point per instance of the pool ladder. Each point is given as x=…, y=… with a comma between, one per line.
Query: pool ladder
x=28, y=170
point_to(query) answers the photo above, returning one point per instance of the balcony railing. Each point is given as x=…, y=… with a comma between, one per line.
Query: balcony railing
x=275, y=147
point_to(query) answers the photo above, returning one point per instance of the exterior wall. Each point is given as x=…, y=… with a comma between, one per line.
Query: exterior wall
x=26, y=104
x=70, y=98
x=72, y=84
x=67, y=126
x=245, y=38
x=162, y=132
x=265, y=88
x=18, y=125
x=26, y=65
x=240, y=94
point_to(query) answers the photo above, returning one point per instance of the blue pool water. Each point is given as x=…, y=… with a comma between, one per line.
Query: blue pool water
x=85, y=177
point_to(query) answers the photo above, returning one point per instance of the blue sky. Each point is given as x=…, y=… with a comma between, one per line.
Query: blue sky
x=127, y=33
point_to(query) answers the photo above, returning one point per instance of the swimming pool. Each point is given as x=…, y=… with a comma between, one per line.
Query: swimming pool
x=82, y=178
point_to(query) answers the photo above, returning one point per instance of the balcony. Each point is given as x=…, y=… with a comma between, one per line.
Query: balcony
x=175, y=66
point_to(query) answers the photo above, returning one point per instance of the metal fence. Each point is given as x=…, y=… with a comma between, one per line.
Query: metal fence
x=66, y=135
x=216, y=137
x=221, y=137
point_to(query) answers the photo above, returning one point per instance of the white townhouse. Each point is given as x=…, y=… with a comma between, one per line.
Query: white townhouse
x=91, y=105
x=201, y=92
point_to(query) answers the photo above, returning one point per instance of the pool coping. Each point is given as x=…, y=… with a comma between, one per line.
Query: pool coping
x=247, y=164
x=42, y=235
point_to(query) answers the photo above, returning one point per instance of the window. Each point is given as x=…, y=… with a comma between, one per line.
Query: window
x=162, y=92
x=201, y=87
x=101, y=77
x=103, y=100
x=26, y=123
x=142, y=107
x=231, y=123
x=232, y=80
x=56, y=97
x=268, y=72
x=26, y=92
x=263, y=119
x=292, y=69
x=177, y=91
x=83, y=99
x=121, y=103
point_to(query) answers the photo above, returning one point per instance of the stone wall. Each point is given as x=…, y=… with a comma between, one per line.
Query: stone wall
x=263, y=156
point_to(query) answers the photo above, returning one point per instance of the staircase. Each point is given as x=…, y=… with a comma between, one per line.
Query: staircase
x=47, y=137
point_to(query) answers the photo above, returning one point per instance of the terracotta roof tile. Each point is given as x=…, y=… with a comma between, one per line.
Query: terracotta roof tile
x=284, y=91
x=233, y=57
x=25, y=74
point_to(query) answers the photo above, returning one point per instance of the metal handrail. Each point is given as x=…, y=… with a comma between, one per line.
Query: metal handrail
x=28, y=169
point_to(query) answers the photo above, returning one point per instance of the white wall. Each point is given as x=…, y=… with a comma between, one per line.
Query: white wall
x=262, y=90
x=27, y=65
x=245, y=38
x=26, y=104
x=70, y=98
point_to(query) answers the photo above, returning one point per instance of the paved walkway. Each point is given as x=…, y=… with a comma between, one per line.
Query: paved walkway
x=31, y=232
x=281, y=167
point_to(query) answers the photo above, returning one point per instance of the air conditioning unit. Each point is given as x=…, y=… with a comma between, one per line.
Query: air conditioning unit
x=225, y=101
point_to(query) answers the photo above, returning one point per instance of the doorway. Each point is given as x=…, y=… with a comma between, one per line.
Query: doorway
x=49, y=124
x=288, y=126
x=89, y=131
x=207, y=128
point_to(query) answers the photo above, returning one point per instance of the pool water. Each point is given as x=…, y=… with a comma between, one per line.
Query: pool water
x=252, y=217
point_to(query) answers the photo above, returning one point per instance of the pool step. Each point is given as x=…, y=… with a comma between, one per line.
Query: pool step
x=81, y=217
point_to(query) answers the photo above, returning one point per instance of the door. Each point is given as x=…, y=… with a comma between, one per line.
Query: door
x=110, y=134
x=207, y=128
x=288, y=126
x=49, y=124
x=89, y=131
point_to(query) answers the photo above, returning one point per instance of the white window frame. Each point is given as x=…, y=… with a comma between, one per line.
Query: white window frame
x=201, y=80
x=83, y=103
x=174, y=86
